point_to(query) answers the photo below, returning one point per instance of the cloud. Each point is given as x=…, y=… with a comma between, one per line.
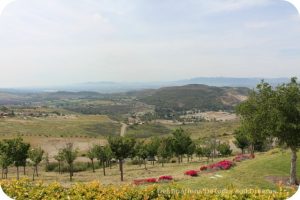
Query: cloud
x=4, y=4
x=215, y=6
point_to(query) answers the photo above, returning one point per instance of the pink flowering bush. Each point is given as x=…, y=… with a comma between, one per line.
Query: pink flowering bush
x=222, y=165
x=165, y=178
x=191, y=173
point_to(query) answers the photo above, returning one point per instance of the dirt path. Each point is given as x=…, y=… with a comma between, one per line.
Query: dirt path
x=123, y=129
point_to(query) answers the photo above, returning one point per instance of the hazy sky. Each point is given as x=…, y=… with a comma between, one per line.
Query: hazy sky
x=50, y=42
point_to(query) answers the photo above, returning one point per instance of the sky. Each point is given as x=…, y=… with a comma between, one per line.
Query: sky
x=56, y=42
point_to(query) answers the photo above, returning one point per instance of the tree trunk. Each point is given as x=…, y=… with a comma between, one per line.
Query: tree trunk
x=252, y=149
x=93, y=165
x=36, y=170
x=293, y=171
x=145, y=163
x=59, y=167
x=188, y=159
x=71, y=172
x=18, y=172
x=121, y=169
x=103, y=166
x=24, y=169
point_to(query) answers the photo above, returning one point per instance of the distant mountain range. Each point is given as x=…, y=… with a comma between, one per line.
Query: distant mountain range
x=117, y=87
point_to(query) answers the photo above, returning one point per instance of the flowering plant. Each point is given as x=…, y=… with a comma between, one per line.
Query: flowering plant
x=191, y=173
x=203, y=168
x=165, y=178
x=223, y=165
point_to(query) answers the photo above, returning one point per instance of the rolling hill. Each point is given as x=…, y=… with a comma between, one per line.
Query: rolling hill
x=194, y=96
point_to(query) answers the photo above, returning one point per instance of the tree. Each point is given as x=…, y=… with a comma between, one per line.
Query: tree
x=190, y=151
x=121, y=147
x=59, y=158
x=198, y=151
x=70, y=154
x=19, y=152
x=141, y=151
x=256, y=115
x=152, y=147
x=101, y=155
x=165, y=149
x=5, y=157
x=287, y=128
x=91, y=154
x=180, y=143
x=206, y=151
x=241, y=141
x=224, y=149
x=109, y=155
x=36, y=156
x=274, y=112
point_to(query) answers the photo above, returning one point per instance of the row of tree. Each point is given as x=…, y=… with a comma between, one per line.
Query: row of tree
x=16, y=152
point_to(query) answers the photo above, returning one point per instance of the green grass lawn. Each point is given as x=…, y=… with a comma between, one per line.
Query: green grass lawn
x=71, y=125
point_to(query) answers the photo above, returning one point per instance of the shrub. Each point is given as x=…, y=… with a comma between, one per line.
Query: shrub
x=203, y=168
x=165, y=178
x=191, y=173
x=224, y=165
x=25, y=189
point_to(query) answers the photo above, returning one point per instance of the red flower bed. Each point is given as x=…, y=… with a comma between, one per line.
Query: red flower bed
x=242, y=157
x=165, y=178
x=143, y=181
x=191, y=173
x=223, y=165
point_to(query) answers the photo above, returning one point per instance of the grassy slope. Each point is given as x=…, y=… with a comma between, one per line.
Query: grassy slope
x=248, y=174
x=207, y=129
x=147, y=130
x=90, y=125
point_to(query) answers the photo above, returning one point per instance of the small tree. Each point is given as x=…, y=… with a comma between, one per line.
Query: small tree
x=5, y=157
x=241, y=141
x=190, y=151
x=165, y=149
x=36, y=156
x=69, y=155
x=91, y=154
x=199, y=151
x=180, y=143
x=121, y=147
x=207, y=151
x=224, y=149
x=101, y=155
x=19, y=153
x=141, y=151
x=152, y=147
x=59, y=158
